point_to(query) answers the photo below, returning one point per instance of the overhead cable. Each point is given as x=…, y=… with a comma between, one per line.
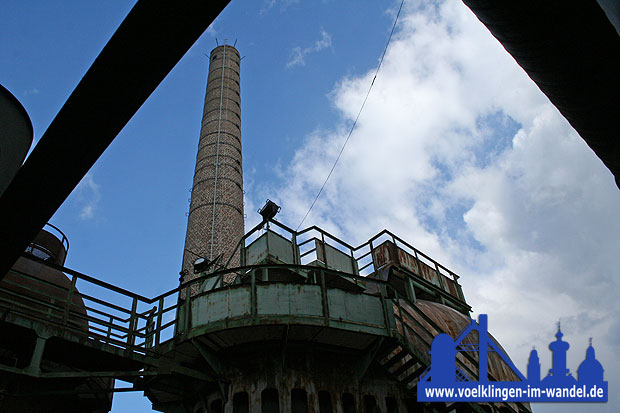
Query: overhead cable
x=356, y=118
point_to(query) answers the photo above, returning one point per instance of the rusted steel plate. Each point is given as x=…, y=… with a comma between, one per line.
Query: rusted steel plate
x=429, y=274
x=451, y=322
x=451, y=287
x=407, y=261
x=385, y=254
x=389, y=254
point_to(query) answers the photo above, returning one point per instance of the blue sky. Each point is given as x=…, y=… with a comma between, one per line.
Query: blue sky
x=456, y=151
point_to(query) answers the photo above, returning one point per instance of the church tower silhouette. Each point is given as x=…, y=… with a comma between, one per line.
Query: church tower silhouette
x=559, y=374
x=590, y=370
x=533, y=367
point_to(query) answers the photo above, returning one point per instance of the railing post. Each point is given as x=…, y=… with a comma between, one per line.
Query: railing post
x=242, y=254
x=253, y=309
x=353, y=264
x=459, y=290
x=109, y=335
x=132, y=323
x=148, y=340
x=160, y=312
x=187, y=303
x=440, y=277
x=324, y=300
x=418, y=263
x=372, y=256
x=296, y=259
x=65, y=316
x=323, y=248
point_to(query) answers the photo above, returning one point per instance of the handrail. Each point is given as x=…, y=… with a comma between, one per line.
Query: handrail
x=146, y=323
x=63, y=238
x=76, y=309
x=120, y=313
x=352, y=250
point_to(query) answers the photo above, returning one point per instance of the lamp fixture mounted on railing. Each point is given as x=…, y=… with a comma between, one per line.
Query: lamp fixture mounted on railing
x=269, y=210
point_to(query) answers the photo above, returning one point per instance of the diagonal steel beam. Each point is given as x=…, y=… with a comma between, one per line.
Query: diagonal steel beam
x=143, y=50
x=571, y=50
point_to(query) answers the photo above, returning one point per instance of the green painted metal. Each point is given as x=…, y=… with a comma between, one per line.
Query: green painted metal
x=220, y=305
x=145, y=329
x=289, y=299
x=335, y=259
x=148, y=331
x=270, y=247
x=281, y=303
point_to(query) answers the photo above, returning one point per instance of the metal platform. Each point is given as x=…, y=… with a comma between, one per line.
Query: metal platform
x=171, y=345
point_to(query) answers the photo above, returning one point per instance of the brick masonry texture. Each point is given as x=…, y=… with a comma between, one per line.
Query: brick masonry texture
x=218, y=168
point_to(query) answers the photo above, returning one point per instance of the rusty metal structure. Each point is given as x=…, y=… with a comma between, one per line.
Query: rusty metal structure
x=34, y=290
x=302, y=322
x=309, y=324
x=571, y=50
x=293, y=321
x=297, y=321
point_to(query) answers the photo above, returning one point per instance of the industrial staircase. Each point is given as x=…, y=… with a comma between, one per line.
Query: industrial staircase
x=402, y=359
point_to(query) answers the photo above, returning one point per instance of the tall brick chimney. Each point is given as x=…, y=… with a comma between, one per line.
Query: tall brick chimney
x=215, y=220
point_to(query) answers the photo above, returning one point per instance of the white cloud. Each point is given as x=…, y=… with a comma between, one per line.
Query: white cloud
x=211, y=30
x=88, y=196
x=298, y=55
x=270, y=4
x=458, y=152
x=33, y=91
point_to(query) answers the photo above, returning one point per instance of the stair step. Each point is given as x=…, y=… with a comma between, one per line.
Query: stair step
x=386, y=349
x=415, y=374
x=395, y=359
x=408, y=364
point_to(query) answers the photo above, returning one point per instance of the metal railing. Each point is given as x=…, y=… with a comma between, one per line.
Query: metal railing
x=304, y=248
x=54, y=230
x=85, y=306
x=110, y=314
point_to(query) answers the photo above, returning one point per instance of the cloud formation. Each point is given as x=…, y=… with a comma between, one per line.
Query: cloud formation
x=88, y=196
x=458, y=152
x=298, y=55
x=270, y=4
x=33, y=91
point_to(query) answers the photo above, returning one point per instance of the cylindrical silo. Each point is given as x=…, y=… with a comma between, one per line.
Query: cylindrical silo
x=215, y=220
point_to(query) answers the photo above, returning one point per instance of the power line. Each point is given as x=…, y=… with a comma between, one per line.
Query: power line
x=356, y=118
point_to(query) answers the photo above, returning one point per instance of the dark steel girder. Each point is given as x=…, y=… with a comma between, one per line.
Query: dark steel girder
x=143, y=50
x=571, y=50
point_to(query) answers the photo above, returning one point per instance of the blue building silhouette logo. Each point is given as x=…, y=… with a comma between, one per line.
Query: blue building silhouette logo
x=448, y=378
